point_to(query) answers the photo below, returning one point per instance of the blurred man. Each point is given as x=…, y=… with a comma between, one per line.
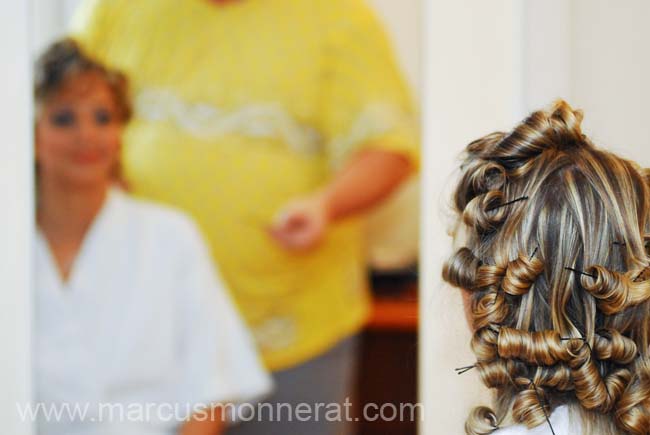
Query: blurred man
x=275, y=124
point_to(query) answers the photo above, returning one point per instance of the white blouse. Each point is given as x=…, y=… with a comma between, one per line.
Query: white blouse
x=143, y=326
x=562, y=421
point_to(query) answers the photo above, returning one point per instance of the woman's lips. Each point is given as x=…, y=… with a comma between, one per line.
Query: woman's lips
x=87, y=157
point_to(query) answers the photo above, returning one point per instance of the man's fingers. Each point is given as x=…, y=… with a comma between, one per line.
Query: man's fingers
x=296, y=236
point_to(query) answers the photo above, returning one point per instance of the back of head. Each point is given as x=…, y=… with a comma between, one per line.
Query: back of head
x=555, y=260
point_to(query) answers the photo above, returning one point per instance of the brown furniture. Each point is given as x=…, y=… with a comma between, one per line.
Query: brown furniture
x=388, y=367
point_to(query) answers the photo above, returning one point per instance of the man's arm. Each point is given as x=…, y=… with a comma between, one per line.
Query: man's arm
x=369, y=177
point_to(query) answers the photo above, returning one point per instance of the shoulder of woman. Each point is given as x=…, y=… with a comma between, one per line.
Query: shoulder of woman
x=513, y=430
x=162, y=221
x=519, y=429
x=559, y=419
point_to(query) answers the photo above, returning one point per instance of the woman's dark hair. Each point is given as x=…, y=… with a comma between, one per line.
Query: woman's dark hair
x=63, y=60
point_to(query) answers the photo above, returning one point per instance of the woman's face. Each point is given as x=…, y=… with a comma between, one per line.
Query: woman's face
x=78, y=133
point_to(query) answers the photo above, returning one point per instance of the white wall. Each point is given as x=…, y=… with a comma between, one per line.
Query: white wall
x=547, y=51
x=16, y=226
x=611, y=71
x=594, y=55
x=472, y=86
x=49, y=21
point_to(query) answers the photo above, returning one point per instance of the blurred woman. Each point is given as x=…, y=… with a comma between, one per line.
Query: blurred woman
x=131, y=317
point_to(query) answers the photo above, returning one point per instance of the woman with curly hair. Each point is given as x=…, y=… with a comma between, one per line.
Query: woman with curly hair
x=553, y=273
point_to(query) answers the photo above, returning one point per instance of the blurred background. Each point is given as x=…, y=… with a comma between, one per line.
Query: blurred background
x=388, y=364
x=484, y=66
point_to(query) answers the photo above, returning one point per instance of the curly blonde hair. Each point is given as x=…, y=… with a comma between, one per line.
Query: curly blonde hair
x=555, y=261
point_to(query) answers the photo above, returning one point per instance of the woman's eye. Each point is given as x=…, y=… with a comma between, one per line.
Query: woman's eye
x=64, y=118
x=103, y=117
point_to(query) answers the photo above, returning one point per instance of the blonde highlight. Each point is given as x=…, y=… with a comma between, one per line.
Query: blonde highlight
x=561, y=315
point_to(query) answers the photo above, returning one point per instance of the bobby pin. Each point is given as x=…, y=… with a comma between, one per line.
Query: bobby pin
x=461, y=370
x=541, y=403
x=522, y=198
x=573, y=338
x=640, y=273
x=618, y=243
x=583, y=339
x=580, y=272
x=534, y=252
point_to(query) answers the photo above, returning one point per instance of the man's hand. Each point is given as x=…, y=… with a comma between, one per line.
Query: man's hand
x=301, y=224
x=369, y=178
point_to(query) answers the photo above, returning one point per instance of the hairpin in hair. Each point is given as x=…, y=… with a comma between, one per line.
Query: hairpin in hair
x=640, y=273
x=573, y=338
x=584, y=338
x=580, y=272
x=461, y=370
x=615, y=242
x=534, y=252
x=505, y=204
x=581, y=338
x=541, y=403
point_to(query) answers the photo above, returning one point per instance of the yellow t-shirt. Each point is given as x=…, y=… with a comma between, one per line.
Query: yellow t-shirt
x=241, y=107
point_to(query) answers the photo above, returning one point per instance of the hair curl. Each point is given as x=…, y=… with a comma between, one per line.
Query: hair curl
x=545, y=335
